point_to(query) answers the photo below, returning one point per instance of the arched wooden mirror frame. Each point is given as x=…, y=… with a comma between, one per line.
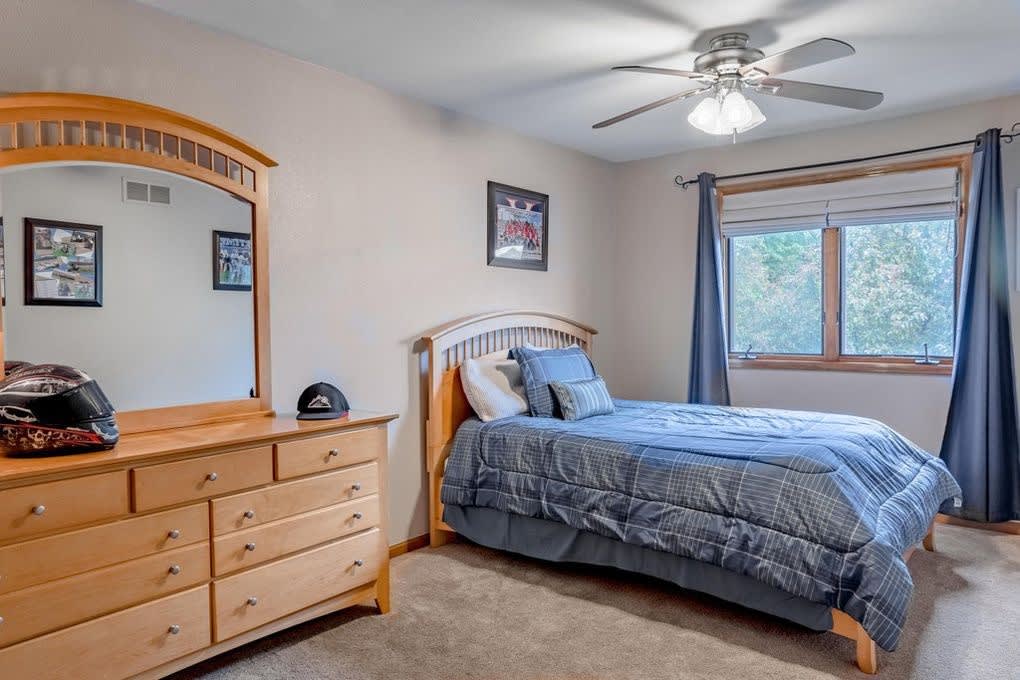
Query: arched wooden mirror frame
x=45, y=127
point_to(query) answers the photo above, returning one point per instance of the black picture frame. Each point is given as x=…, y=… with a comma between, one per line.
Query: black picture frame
x=218, y=283
x=521, y=254
x=72, y=263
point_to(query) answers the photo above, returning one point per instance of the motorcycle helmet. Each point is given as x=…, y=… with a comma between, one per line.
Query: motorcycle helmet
x=49, y=408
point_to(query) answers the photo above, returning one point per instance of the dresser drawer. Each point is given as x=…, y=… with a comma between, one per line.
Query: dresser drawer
x=47, y=559
x=118, y=645
x=58, y=604
x=266, y=593
x=197, y=478
x=35, y=509
x=307, y=456
x=255, y=508
x=247, y=548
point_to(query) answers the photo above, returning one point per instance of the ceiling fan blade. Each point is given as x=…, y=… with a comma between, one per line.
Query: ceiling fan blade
x=808, y=54
x=707, y=77
x=649, y=107
x=823, y=94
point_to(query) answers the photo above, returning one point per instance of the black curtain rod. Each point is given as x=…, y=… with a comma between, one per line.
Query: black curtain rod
x=1007, y=138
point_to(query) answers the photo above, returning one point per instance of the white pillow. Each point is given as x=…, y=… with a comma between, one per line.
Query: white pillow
x=494, y=387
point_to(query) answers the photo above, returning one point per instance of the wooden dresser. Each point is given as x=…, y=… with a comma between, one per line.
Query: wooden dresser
x=180, y=544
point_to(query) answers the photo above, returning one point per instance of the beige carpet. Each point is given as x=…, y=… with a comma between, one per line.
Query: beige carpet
x=461, y=611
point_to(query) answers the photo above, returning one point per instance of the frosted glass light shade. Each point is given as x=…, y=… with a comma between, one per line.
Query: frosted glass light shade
x=757, y=117
x=735, y=111
x=705, y=116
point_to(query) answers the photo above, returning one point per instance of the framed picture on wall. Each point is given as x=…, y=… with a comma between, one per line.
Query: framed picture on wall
x=518, y=228
x=63, y=263
x=231, y=260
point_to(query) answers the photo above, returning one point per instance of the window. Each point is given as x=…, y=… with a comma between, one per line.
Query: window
x=899, y=289
x=858, y=273
x=777, y=305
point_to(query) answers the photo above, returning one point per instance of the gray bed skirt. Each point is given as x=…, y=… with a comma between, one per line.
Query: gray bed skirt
x=557, y=542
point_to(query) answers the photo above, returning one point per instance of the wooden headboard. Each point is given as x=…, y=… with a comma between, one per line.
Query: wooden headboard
x=446, y=348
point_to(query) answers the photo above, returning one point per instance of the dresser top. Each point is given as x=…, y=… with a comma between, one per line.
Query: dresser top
x=143, y=447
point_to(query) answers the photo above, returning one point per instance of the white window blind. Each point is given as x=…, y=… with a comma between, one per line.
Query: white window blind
x=897, y=197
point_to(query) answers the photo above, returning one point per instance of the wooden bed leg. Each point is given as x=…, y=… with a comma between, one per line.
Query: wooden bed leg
x=438, y=537
x=867, y=654
x=929, y=539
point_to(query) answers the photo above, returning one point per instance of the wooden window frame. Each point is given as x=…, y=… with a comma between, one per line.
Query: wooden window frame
x=831, y=358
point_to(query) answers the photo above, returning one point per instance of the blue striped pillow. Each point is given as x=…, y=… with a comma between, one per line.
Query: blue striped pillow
x=539, y=367
x=580, y=399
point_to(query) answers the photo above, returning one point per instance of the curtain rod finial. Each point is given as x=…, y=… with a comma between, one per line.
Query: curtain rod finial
x=1013, y=132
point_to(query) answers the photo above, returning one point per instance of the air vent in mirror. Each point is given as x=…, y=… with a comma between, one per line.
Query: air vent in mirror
x=158, y=194
x=140, y=192
x=136, y=191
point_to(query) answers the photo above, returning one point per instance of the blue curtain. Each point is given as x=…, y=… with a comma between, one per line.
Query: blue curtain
x=980, y=444
x=709, y=382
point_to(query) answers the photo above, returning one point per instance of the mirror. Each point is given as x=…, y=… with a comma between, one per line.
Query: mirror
x=141, y=278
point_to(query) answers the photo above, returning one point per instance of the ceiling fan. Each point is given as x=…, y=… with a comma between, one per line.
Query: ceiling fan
x=730, y=68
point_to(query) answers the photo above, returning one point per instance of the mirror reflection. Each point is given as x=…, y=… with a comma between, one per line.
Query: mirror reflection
x=140, y=278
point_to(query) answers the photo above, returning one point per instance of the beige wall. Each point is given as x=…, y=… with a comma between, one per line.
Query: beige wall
x=655, y=245
x=377, y=208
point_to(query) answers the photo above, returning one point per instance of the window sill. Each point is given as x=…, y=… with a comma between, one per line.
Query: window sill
x=904, y=366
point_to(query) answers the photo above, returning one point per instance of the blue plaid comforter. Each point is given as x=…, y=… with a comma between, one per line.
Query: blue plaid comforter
x=818, y=505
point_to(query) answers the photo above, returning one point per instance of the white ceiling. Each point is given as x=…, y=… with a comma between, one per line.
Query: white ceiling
x=541, y=67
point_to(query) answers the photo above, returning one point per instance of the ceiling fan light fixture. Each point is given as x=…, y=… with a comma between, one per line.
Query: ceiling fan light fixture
x=730, y=67
x=735, y=110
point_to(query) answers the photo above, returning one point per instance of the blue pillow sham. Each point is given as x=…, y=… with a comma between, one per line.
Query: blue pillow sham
x=539, y=367
x=580, y=399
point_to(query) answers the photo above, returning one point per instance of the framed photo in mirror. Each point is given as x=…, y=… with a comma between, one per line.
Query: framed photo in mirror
x=63, y=263
x=232, y=260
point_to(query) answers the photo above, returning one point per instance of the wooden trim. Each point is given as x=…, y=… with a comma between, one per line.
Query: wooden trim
x=852, y=365
x=410, y=545
x=953, y=160
x=832, y=358
x=91, y=105
x=1001, y=527
x=831, y=277
x=113, y=118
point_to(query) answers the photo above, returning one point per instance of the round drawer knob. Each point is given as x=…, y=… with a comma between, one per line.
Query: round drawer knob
x=358, y=515
x=39, y=509
x=175, y=569
x=356, y=486
x=359, y=563
x=250, y=547
x=252, y=601
x=174, y=534
x=212, y=476
x=333, y=453
x=174, y=629
x=1, y=619
x=249, y=514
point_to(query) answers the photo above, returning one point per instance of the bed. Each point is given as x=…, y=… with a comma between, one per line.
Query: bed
x=807, y=516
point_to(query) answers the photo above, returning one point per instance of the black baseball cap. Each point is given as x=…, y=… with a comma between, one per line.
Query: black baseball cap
x=322, y=401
